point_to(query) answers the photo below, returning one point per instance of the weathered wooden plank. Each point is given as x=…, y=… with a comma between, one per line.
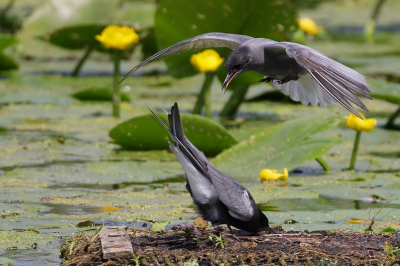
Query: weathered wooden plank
x=115, y=242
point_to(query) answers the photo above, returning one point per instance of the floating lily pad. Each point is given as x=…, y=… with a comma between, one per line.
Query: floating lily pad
x=389, y=230
x=75, y=37
x=7, y=62
x=6, y=41
x=98, y=94
x=288, y=144
x=384, y=90
x=146, y=133
x=387, y=97
x=83, y=36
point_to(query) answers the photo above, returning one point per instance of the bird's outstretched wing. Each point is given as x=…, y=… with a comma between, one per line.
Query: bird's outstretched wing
x=334, y=78
x=214, y=39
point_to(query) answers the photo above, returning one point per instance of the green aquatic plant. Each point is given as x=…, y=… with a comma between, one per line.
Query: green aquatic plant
x=285, y=145
x=217, y=240
x=355, y=123
x=117, y=39
x=206, y=62
x=390, y=251
x=145, y=133
x=136, y=258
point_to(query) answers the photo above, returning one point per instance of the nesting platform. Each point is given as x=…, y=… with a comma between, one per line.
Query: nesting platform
x=118, y=245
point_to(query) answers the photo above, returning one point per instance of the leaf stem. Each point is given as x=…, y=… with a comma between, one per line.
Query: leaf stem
x=324, y=165
x=116, y=96
x=85, y=56
x=233, y=104
x=355, y=151
x=390, y=123
x=204, y=97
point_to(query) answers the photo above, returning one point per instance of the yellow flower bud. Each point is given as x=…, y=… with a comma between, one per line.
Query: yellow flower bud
x=355, y=123
x=206, y=61
x=273, y=175
x=116, y=37
x=309, y=26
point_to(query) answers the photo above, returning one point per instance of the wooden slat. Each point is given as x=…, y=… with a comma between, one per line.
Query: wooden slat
x=115, y=242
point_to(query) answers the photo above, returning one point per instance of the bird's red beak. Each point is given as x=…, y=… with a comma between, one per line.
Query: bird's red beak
x=228, y=80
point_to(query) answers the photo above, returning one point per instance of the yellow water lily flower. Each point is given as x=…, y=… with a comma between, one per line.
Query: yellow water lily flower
x=116, y=37
x=358, y=221
x=309, y=26
x=206, y=61
x=355, y=123
x=272, y=175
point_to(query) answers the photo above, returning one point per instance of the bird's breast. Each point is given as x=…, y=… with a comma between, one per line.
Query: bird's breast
x=278, y=66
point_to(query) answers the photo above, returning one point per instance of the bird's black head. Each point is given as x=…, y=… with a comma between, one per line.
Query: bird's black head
x=264, y=223
x=236, y=63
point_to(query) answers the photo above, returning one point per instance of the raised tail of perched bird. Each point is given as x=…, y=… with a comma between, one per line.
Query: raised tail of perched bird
x=219, y=198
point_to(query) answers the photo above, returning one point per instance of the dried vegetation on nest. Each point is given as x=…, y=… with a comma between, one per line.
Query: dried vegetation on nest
x=199, y=246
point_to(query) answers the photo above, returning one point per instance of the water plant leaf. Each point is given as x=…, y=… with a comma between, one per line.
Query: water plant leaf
x=75, y=37
x=239, y=17
x=288, y=144
x=159, y=226
x=386, y=97
x=384, y=90
x=146, y=133
x=86, y=224
x=7, y=40
x=7, y=62
x=98, y=94
x=389, y=230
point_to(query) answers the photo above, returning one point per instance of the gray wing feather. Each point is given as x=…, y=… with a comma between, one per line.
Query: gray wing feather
x=233, y=194
x=182, y=144
x=335, y=78
x=214, y=39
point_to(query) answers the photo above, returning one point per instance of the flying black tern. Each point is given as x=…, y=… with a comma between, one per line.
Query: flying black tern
x=220, y=199
x=301, y=72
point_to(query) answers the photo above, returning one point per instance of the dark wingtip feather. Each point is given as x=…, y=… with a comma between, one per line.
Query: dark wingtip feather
x=340, y=98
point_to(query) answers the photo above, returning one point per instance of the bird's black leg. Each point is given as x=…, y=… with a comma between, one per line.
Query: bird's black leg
x=266, y=79
x=286, y=80
x=215, y=226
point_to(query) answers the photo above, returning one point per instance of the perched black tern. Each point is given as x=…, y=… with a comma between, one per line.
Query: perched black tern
x=220, y=199
x=301, y=72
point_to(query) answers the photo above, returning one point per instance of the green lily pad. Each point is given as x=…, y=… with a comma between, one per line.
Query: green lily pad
x=386, y=97
x=146, y=133
x=83, y=36
x=7, y=62
x=239, y=17
x=75, y=37
x=389, y=230
x=384, y=90
x=288, y=144
x=98, y=94
x=159, y=226
x=6, y=261
x=7, y=40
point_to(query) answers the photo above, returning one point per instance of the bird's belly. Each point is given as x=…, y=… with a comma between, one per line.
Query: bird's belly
x=278, y=72
x=279, y=67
